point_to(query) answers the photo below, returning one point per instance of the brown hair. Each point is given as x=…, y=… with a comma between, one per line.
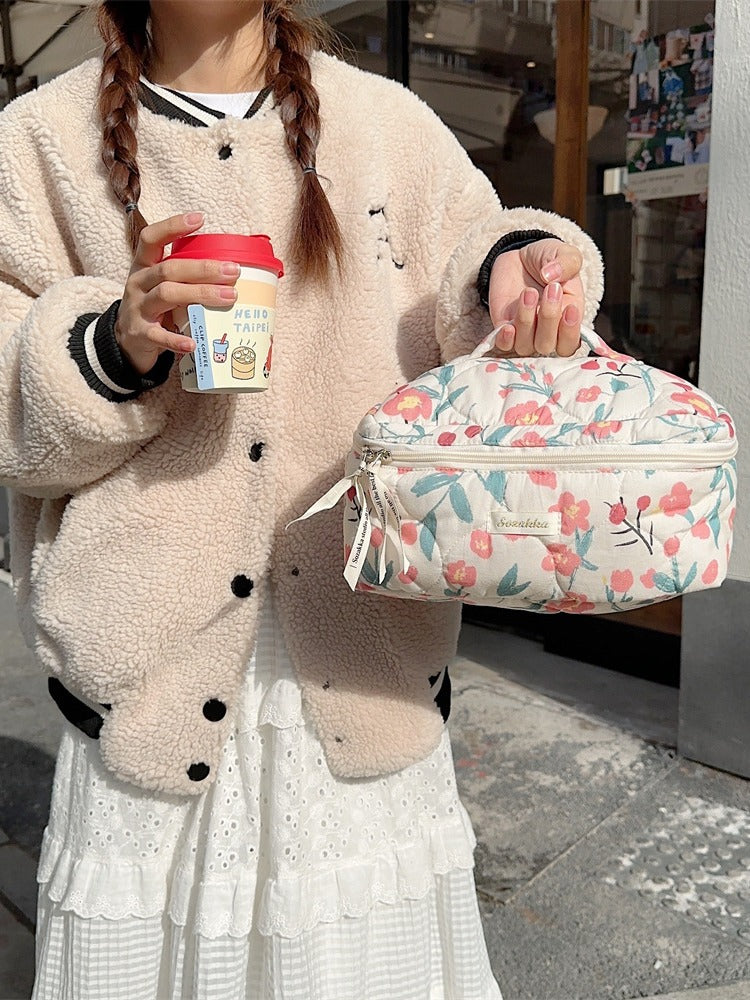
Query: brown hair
x=290, y=40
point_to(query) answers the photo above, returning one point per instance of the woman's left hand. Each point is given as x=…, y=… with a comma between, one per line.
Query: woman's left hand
x=536, y=296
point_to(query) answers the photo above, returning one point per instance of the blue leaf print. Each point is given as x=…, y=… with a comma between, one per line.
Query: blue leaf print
x=730, y=484
x=436, y=481
x=445, y=374
x=507, y=586
x=495, y=484
x=460, y=503
x=369, y=573
x=609, y=593
x=690, y=576
x=583, y=542
x=665, y=583
x=427, y=534
x=717, y=477
x=497, y=436
x=618, y=384
x=447, y=403
x=599, y=413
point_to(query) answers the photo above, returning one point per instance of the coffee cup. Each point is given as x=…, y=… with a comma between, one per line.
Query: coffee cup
x=233, y=343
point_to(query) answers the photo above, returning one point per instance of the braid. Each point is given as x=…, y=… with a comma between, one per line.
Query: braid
x=123, y=29
x=289, y=44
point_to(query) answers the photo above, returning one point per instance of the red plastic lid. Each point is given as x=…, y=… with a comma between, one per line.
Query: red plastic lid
x=251, y=251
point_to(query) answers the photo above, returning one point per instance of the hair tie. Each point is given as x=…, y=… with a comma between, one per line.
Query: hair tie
x=131, y=206
x=309, y=170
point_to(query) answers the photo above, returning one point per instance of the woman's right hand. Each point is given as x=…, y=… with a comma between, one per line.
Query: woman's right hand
x=144, y=326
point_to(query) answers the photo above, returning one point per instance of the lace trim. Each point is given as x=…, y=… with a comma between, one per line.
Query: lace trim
x=226, y=905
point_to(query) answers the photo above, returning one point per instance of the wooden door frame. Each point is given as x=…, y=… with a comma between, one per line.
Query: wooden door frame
x=572, y=103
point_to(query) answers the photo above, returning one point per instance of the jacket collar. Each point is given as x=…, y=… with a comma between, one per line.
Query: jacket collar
x=164, y=101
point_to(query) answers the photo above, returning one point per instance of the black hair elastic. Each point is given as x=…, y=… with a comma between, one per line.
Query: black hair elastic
x=309, y=170
x=131, y=206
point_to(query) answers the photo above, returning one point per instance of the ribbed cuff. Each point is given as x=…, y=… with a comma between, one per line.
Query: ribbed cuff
x=94, y=348
x=511, y=241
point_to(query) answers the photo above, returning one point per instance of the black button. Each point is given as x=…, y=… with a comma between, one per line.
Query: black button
x=242, y=585
x=295, y=571
x=256, y=451
x=214, y=710
x=225, y=152
x=197, y=772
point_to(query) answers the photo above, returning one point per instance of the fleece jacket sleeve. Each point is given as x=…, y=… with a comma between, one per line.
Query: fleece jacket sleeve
x=473, y=221
x=58, y=431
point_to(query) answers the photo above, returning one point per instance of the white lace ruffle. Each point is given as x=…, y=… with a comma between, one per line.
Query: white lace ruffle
x=328, y=848
x=225, y=905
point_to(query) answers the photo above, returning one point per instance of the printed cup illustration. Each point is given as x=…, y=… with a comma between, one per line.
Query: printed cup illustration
x=233, y=344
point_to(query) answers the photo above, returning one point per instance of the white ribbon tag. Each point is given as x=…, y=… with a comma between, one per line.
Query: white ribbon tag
x=361, y=541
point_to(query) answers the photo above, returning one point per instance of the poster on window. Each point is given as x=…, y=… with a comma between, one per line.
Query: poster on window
x=669, y=113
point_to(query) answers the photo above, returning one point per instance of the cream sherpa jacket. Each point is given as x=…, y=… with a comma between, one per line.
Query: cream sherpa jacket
x=146, y=525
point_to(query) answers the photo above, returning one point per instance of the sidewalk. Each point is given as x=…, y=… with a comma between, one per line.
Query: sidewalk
x=606, y=867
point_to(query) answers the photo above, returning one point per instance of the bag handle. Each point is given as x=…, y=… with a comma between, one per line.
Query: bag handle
x=588, y=336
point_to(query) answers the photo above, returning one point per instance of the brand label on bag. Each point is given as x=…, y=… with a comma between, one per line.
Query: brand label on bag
x=524, y=522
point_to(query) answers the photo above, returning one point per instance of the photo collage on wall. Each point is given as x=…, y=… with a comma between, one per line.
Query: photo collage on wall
x=669, y=116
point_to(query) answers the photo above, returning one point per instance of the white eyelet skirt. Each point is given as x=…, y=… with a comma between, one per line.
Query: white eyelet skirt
x=282, y=882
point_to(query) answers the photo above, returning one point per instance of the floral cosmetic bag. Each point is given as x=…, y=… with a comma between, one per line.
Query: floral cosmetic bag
x=581, y=485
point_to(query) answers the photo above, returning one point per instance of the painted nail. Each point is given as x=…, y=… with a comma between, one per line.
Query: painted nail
x=554, y=291
x=529, y=297
x=193, y=218
x=552, y=271
x=230, y=269
x=570, y=316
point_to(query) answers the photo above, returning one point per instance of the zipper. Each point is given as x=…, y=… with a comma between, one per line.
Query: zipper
x=507, y=457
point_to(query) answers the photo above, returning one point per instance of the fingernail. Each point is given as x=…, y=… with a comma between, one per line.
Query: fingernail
x=570, y=316
x=529, y=297
x=552, y=271
x=230, y=269
x=188, y=346
x=193, y=218
x=507, y=334
x=554, y=291
x=228, y=293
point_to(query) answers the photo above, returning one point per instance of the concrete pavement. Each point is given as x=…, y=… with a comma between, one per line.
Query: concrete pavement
x=607, y=867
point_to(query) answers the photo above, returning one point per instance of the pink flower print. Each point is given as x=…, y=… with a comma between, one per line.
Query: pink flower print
x=408, y=403
x=602, y=428
x=503, y=393
x=458, y=574
x=446, y=439
x=672, y=546
x=471, y=432
x=648, y=579
x=544, y=477
x=588, y=394
x=481, y=544
x=642, y=503
x=676, y=502
x=409, y=576
x=529, y=440
x=446, y=470
x=525, y=376
x=548, y=378
x=409, y=532
x=697, y=401
x=621, y=580
x=572, y=602
x=732, y=512
x=376, y=538
x=574, y=513
x=401, y=470
x=361, y=585
x=617, y=513
x=728, y=421
x=612, y=366
x=528, y=413
x=710, y=573
x=701, y=529
x=561, y=558
x=492, y=366
x=591, y=366
x=351, y=493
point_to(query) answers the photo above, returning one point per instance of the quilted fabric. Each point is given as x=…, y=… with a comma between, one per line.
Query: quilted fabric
x=581, y=485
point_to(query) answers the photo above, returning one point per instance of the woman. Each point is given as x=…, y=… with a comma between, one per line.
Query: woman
x=254, y=794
